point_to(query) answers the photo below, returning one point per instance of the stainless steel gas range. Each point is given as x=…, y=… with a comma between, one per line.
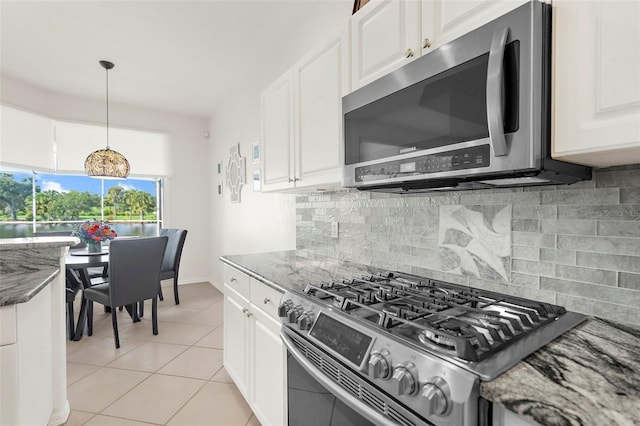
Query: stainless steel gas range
x=408, y=350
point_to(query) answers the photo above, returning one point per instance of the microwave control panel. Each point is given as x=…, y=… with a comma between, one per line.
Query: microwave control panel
x=460, y=159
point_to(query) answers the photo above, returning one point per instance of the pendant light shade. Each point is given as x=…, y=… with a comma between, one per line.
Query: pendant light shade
x=107, y=163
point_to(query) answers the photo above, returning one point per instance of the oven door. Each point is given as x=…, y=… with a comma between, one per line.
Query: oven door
x=311, y=404
x=323, y=391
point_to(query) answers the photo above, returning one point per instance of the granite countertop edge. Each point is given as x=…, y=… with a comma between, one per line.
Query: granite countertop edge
x=27, y=265
x=588, y=376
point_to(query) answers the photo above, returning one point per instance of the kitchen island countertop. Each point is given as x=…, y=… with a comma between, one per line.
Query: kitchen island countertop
x=588, y=376
x=27, y=265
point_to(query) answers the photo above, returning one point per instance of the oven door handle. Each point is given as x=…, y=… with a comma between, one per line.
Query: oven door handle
x=356, y=404
x=494, y=92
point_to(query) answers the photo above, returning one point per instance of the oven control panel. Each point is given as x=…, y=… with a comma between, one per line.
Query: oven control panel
x=438, y=391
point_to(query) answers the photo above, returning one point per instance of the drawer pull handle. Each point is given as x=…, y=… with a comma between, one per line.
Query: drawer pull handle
x=245, y=310
x=408, y=53
x=427, y=43
x=233, y=279
x=266, y=300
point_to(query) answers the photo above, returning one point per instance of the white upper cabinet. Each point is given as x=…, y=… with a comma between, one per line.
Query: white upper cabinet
x=278, y=134
x=446, y=20
x=321, y=79
x=596, y=82
x=385, y=34
x=302, y=120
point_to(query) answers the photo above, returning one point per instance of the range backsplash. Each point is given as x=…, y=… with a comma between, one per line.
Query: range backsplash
x=577, y=246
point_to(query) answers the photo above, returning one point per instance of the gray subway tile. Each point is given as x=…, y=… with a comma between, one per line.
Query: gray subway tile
x=604, y=212
x=592, y=291
x=608, y=245
x=565, y=257
x=586, y=275
x=525, y=225
x=603, y=196
x=598, y=308
x=619, y=228
x=609, y=178
x=533, y=239
x=525, y=253
x=630, y=195
x=627, y=280
x=525, y=280
x=565, y=226
x=534, y=212
x=533, y=267
x=521, y=198
x=614, y=262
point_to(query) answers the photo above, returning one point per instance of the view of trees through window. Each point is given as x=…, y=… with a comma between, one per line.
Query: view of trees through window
x=34, y=201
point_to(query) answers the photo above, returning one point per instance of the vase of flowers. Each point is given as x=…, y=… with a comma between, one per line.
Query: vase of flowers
x=93, y=233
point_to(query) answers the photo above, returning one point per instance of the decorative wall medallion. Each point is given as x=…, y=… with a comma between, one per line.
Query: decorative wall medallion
x=475, y=241
x=236, y=173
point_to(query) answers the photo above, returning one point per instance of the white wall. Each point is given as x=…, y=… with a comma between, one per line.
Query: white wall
x=187, y=191
x=262, y=221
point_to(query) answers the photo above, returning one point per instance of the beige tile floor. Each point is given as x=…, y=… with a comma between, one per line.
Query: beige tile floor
x=174, y=378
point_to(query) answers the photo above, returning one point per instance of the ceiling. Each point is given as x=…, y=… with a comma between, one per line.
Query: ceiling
x=186, y=57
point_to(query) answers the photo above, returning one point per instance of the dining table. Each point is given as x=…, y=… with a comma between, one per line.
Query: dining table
x=79, y=261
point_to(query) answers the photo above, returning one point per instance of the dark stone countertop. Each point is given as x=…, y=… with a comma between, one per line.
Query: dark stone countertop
x=588, y=376
x=27, y=265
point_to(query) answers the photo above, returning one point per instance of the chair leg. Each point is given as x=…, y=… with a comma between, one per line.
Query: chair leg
x=90, y=318
x=160, y=290
x=114, y=322
x=175, y=289
x=154, y=314
x=72, y=326
x=141, y=308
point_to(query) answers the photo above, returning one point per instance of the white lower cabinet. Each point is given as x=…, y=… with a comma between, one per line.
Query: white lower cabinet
x=254, y=355
x=236, y=338
x=267, y=358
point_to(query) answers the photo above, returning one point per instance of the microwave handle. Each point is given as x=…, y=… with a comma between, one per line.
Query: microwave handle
x=494, y=92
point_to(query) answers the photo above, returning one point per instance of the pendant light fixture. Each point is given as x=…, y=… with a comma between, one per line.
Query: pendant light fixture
x=107, y=163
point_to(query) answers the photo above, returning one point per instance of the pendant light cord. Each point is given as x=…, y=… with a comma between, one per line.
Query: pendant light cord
x=106, y=70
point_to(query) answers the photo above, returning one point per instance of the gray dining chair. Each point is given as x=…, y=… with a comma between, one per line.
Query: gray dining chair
x=171, y=261
x=134, y=276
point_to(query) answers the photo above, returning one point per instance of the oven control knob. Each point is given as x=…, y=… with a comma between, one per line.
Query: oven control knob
x=379, y=365
x=435, y=393
x=284, y=308
x=405, y=379
x=305, y=320
x=294, y=313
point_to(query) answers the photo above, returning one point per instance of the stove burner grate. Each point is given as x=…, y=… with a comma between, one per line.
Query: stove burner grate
x=456, y=320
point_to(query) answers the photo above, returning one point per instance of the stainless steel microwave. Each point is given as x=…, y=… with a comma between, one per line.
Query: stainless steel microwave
x=473, y=113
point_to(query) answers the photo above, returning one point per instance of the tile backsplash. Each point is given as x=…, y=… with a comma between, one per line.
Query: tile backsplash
x=577, y=246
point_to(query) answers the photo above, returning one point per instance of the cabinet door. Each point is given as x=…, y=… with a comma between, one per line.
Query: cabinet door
x=596, y=82
x=277, y=135
x=385, y=34
x=446, y=20
x=268, y=358
x=236, y=338
x=321, y=79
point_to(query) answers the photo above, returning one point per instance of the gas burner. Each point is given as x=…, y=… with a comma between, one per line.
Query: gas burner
x=468, y=323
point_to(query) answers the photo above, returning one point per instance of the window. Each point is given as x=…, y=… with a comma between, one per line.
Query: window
x=39, y=202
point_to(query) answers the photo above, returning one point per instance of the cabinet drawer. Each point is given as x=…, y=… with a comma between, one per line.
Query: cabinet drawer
x=265, y=298
x=237, y=281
